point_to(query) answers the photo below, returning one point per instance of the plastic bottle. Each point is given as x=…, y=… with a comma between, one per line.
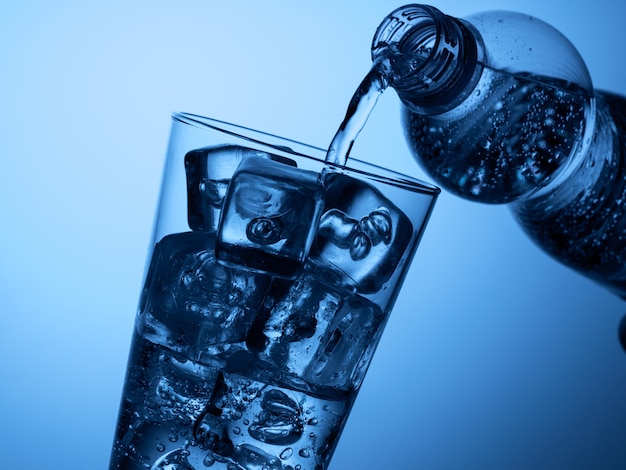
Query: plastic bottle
x=500, y=108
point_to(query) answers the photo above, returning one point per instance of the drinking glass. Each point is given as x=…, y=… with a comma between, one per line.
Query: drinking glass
x=271, y=276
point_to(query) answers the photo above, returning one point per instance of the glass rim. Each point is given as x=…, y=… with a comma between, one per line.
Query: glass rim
x=385, y=175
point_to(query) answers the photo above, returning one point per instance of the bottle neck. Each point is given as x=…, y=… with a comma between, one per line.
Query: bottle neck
x=433, y=60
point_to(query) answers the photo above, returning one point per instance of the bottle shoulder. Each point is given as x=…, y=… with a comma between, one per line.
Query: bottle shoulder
x=506, y=140
x=520, y=43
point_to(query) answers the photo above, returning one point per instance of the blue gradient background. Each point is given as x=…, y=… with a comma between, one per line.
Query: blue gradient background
x=496, y=356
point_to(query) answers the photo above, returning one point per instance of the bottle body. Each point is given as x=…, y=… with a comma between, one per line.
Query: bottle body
x=582, y=222
x=528, y=130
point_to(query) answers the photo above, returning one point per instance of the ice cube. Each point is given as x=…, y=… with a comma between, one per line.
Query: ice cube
x=208, y=173
x=269, y=217
x=320, y=334
x=190, y=300
x=347, y=345
x=362, y=235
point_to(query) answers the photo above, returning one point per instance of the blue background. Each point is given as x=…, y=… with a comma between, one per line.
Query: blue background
x=496, y=357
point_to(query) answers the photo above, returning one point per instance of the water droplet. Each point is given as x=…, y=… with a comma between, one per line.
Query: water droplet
x=313, y=421
x=304, y=453
x=285, y=454
x=160, y=447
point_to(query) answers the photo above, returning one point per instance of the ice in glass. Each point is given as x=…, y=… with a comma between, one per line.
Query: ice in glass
x=260, y=314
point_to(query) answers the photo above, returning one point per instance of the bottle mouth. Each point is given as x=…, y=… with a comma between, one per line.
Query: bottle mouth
x=431, y=57
x=411, y=28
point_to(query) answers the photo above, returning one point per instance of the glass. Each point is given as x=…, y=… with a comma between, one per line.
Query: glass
x=270, y=280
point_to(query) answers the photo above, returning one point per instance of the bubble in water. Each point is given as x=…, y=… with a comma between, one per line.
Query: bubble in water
x=250, y=457
x=264, y=230
x=209, y=460
x=304, y=453
x=174, y=460
x=286, y=453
